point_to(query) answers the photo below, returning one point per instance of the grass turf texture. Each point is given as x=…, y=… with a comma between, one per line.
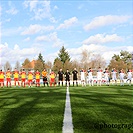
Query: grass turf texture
x=32, y=110
x=94, y=107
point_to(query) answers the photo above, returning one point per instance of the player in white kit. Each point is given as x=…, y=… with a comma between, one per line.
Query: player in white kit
x=99, y=76
x=121, y=75
x=82, y=72
x=114, y=78
x=90, y=77
x=106, y=76
x=129, y=76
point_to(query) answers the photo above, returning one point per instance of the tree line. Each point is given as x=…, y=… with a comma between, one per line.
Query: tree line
x=86, y=60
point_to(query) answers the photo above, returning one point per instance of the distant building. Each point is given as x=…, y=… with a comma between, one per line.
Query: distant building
x=30, y=66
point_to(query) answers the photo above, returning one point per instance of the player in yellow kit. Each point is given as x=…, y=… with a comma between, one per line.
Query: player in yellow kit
x=52, y=78
x=1, y=78
x=44, y=75
x=23, y=78
x=16, y=77
x=37, y=75
x=8, y=77
x=30, y=78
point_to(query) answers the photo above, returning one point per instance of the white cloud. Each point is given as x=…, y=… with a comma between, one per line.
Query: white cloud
x=41, y=9
x=32, y=4
x=16, y=53
x=27, y=39
x=16, y=47
x=53, y=20
x=53, y=38
x=105, y=20
x=56, y=7
x=105, y=51
x=33, y=29
x=12, y=11
x=42, y=38
x=51, y=57
x=11, y=31
x=68, y=23
x=102, y=38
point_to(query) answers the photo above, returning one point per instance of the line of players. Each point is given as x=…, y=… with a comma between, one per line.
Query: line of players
x=83, y=75
x=30, y=76
x=113, y=75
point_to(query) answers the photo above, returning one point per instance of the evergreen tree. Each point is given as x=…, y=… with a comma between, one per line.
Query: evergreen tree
x=63, y=55
x=40, y=63
x=62, y=61
x=40, y=58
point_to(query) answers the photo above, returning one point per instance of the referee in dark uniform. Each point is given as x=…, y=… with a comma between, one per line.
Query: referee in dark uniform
x=60, y=77
x=67, y=76
x=75, y=76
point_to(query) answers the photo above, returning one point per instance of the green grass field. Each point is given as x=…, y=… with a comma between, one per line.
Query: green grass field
x=95, y=107
x=41, y=110
x=32, y=110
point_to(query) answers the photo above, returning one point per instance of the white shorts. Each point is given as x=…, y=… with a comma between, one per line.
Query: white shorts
x=114, y=78
x=99, y=78
x=82, y=78
x=129, y=77
x=89, y=78
x=106, y=79
x=121, y=78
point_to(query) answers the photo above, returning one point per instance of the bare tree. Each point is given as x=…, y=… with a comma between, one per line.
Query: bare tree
x=57, y=65
x=86, y=59
x=49, y=64
x=17, y=65
x=67, y=65
x=6, y=66
x=76, y=64
x=39, y=66
x=97, y=61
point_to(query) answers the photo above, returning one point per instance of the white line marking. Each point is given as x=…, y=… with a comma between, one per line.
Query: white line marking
x=67, y=122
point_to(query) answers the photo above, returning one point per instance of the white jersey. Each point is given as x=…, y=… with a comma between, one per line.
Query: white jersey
x=114, y=75
x=99, y=75
x=106, y=76
x=121, y=75
x=82, y=75
x=129, y=75
x=90, y=77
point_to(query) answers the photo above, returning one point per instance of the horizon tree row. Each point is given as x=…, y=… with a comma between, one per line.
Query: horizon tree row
x=85, y=61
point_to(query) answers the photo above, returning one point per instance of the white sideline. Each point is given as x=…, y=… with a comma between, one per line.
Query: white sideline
x=67, y=122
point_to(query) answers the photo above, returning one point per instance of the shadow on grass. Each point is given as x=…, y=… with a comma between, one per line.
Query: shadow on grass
x=35, y=111
x=93, y=108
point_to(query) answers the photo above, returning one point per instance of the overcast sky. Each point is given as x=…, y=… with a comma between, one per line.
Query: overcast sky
x=30, y=27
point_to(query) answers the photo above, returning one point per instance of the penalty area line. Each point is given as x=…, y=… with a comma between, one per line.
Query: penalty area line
x=67, y=122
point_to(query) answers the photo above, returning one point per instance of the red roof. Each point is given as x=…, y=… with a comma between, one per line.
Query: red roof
x=30, y=65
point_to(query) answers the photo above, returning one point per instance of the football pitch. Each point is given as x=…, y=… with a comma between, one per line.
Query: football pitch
x=104, y=109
